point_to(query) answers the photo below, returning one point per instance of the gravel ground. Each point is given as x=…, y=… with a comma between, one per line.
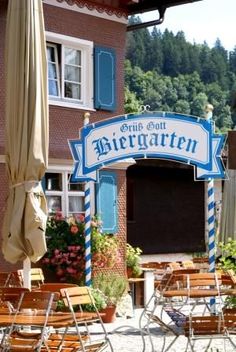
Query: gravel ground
x=125, y=336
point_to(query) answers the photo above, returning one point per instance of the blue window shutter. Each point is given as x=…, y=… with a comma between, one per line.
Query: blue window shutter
x=104, y=79
x=106, y=200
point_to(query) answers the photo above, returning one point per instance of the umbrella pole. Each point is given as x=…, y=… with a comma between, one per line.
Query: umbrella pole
x=26, y=273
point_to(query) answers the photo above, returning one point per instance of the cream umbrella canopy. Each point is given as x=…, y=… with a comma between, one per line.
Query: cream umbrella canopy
x=26, y=146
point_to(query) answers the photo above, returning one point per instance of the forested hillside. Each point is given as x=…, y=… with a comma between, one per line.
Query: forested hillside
x=168, y=73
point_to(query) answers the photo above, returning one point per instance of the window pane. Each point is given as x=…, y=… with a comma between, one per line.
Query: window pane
x=53, y=88
x=51, y=53
x=54, y=203
x=53, y=181
x=72, y=56
x=79, y=187
x=76, y=204
x=72, y=73
x=52, y=72
x=72, y=90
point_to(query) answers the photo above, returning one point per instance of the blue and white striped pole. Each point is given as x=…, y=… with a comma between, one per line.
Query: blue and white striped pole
x=88, y=270
x=211, y=217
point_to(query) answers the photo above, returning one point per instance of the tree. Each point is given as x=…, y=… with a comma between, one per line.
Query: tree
x=199, y=104
x=182, y=107
x=132, y=104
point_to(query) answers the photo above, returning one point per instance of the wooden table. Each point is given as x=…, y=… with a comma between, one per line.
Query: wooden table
x=134, y=282
x=56, y=320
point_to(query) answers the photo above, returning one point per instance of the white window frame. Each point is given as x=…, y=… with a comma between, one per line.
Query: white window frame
x=57, y=80
x=86, y=48
x=65, y=193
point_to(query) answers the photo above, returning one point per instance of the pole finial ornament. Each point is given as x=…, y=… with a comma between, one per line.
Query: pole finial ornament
x=209, y=111
x=86, y=118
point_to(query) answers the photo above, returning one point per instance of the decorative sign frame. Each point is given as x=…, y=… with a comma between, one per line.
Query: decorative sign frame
x=161, y=135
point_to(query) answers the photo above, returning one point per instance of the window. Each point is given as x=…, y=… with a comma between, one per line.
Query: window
x=62, y=195
x=70, y=71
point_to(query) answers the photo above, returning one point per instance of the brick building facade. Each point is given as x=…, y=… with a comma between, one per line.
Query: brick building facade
x=73, y=30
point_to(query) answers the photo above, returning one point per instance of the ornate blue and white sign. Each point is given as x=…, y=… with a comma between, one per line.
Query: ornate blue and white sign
x=160, y=135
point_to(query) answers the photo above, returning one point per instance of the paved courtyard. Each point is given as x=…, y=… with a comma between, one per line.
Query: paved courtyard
x=125, y=337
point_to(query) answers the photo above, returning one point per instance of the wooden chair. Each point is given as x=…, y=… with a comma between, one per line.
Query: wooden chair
x=36, y=277
x=210, y=327
x=9, y=279
x=30, y=305
x=174, y=266
x=55, y=287
x=188, y=264
x=80, y=296
x=9, y=298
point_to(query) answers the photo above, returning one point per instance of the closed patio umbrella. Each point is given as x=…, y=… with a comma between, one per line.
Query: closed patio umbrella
x=26, y=146
x=228, y=211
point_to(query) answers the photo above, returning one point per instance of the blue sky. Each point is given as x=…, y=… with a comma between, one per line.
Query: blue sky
x=203, y=20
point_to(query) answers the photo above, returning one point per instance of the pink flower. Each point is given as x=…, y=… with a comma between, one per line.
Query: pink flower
x=71, y=270
x=58, y=216
x=74, y=229
x=80, y=217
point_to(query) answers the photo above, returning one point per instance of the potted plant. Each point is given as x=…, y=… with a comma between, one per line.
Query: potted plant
x=105, y=247
x=113, y=286
x=133, y=261
x=99, y=298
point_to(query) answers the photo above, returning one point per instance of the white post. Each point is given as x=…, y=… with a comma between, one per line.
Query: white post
x=148, y=284
x=26, y=273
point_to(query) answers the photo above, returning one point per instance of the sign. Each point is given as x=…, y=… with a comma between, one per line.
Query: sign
x=160, y=135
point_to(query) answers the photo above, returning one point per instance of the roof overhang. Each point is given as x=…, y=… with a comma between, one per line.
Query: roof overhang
x=139, y=6
x=135, y=7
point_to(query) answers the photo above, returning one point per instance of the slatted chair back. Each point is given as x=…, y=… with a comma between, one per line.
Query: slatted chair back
x=34, y=303
x=188, y=264
x=5, y=278
x=79, y=297
x=36, y=277
x=210, y=327
x=55, y=287
x=204, y=280
x=227, y=280
x=174, y=266
x=232, y=275
x=10, y=296
x=38, y=300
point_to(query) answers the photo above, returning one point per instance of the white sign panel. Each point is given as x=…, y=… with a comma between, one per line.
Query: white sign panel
x=151, y=135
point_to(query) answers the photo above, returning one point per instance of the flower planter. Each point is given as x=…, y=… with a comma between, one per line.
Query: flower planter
x=108, y=314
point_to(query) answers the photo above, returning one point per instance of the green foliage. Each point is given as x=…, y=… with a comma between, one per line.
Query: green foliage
x=99, y=300
x=104, y=247
x=228, y=257
x=113, y=286
x=166, y=72
x=133, y=260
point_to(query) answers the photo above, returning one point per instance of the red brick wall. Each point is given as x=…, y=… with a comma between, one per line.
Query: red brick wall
x=65, y=122
x=121, y=191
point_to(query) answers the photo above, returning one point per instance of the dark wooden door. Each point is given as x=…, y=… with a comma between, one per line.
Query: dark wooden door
x=165, y=208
